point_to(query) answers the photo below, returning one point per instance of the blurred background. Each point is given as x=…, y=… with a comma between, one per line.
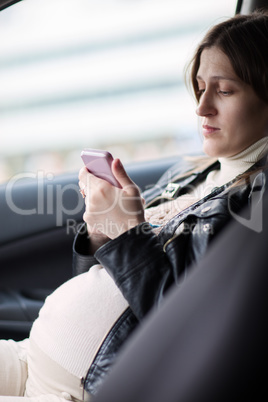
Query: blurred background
x=98, y=73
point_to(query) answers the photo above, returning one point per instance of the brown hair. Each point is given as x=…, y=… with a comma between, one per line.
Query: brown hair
x=244, y=39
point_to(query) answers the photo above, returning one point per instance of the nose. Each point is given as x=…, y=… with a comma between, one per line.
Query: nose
x=206, y=106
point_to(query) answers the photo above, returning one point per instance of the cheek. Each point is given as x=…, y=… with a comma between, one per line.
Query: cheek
x=240, y=121
x=236, y=115
x=253, y=115
x=248, y=126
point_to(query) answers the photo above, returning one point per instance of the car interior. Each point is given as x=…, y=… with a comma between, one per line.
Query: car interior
x=27, y=278
x=178, y=353
x=39, y=213
x=208, y=340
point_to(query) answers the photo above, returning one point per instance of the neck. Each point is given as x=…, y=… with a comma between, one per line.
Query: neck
x=235, y=165
x=250, y=155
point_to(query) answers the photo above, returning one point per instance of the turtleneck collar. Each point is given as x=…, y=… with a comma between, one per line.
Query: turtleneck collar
x=233, y=166
x=250, y=155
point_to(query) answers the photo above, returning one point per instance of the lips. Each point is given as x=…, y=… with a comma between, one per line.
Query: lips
x=208, y=130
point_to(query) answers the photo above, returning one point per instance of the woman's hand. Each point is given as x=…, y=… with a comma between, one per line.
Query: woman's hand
x=110, y=211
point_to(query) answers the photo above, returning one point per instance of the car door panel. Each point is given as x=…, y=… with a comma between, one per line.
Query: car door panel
x=39, y=219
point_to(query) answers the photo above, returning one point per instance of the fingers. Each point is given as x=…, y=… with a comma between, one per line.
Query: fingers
x=82, y=192
x=82, y=181
x=111, y=210
x=83, y=172
x=86, y=178
x=86, y=181
x=120, y=173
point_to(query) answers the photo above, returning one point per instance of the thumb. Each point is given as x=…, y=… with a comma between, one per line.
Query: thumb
x=120, y=173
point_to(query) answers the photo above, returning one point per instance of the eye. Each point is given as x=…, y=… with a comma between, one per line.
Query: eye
x=225, y=93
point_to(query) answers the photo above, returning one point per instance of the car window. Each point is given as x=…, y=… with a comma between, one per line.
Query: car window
x=97, y=73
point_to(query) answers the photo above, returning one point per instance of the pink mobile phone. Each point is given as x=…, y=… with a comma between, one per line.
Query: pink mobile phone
x=98, y=162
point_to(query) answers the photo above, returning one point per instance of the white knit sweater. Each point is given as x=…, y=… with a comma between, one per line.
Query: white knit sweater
x=78, y=315
x=233, y=166
x=76, y=318
x=230, y=168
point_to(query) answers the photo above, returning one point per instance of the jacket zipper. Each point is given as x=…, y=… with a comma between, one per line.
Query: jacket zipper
x=177, y=232
x=82, y=385
x=159, y=198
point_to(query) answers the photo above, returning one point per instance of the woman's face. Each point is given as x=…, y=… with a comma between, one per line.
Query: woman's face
x=233, y=116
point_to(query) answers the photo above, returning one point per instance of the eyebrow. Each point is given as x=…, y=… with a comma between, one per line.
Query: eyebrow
x=218, y=77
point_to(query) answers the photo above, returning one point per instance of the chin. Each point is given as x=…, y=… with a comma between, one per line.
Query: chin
x=211, y=151
x=214, y=150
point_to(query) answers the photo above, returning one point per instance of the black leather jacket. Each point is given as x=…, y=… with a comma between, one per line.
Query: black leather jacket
x=145, y=265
